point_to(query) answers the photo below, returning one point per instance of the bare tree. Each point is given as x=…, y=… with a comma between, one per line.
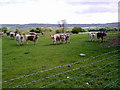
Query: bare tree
x=62, y=24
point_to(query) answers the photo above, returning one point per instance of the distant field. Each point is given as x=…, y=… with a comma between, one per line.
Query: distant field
x=98, y=69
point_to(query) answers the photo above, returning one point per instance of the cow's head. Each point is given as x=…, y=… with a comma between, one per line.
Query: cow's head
x=52, y=36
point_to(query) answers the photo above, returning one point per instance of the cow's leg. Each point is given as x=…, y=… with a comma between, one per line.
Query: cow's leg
x=102, y=38
x=26, y=41
x=22, y=42
x=63, y=41
x=90, y=38
x=17, y=42
x=54, y=42
x=35, y=42
x=68, y=40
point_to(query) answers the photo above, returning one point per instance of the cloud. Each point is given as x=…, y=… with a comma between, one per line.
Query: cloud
x=98, y=9
x=52, y=11
x=7, y=2
x=94, y=7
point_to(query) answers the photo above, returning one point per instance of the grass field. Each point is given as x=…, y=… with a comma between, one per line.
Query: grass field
x=93, y=72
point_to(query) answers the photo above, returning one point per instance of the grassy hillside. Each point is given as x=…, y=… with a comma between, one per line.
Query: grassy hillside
x=29, y=59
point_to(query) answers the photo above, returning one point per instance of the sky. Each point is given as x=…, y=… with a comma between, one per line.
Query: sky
x=53, y=11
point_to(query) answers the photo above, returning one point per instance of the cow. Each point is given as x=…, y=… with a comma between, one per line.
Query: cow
x=92, y=35
x=12, y=35
x=8, y=33
x=101, y=35
x=65, y=38
x=20, y=39
x=33, y=38
x=55, y=38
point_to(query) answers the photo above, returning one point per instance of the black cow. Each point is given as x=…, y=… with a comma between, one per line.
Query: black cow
x=101, y=35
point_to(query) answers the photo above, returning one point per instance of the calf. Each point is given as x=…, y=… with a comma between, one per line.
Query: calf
x=101, y=35
x=33, y=38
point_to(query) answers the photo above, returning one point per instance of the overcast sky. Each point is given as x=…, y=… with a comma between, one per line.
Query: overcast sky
x=52, y=11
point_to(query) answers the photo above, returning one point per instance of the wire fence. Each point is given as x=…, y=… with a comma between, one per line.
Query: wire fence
x=58, y=67
x=99, y=77
x=111, y=83
x=79, y=75
x=66, y=71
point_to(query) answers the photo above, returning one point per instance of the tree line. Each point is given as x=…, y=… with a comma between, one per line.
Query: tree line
x=74, y=30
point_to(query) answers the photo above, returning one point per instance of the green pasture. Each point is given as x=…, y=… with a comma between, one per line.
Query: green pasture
x=18, y=61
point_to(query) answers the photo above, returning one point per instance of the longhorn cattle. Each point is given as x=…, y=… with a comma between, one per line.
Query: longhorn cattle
x=101, y=35
x=33, y=38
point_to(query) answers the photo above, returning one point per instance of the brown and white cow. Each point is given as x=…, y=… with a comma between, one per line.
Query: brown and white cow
x=67, y=38
x=55, y=38
x=63, y=37
x=33, y=38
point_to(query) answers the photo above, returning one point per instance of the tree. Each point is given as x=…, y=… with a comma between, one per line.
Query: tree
x=62, y=25
x=59, y=30
x=4, y=29
x=17, y=30
x=32, y=30
x=77, y=30
x=36, y=30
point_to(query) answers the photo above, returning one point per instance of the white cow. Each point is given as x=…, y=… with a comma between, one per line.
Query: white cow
x=20, y=39
x=12, y=35
x=92, y=35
